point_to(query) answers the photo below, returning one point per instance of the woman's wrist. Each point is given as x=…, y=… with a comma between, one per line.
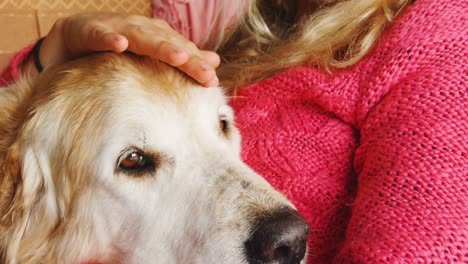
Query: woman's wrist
x=52, y=51
x=35, y=55
x=27, y=67
x=47, y=53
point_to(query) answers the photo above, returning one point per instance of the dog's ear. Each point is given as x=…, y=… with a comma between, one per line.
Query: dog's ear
x=11, y=96
x=10, y=199
x=10, y=162
x=28, y=209
x=10, y=186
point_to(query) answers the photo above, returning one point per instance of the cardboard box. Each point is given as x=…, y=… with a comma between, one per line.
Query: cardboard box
x=23, y=21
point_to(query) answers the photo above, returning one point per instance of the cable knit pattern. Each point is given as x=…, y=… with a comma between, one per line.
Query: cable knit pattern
x=375, y=156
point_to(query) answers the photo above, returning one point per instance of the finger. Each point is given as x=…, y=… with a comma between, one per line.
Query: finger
x=212, y=83
x=117, y=42
x=200, y=70
x=99, y=38
x=148, y=42
x=177, y=52
x=170, y=53
x=211, y=57
x=167, y=45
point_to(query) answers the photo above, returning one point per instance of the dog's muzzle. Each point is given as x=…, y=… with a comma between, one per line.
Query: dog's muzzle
x=280, y=238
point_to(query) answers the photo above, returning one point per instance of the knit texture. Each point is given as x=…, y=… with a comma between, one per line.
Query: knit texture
x=375, y=156
x=12, y=72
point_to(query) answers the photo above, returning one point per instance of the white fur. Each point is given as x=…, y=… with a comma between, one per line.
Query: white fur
x=198, y=207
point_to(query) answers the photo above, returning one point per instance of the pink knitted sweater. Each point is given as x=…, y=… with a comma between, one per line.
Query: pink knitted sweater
x=375, y=156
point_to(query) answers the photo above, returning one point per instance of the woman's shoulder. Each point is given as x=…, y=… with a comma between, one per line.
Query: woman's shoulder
x=426, y=23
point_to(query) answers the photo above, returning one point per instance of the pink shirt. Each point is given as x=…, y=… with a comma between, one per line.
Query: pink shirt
x=195, y=18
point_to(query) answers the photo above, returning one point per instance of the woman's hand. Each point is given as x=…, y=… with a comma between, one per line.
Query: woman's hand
x=82, y=34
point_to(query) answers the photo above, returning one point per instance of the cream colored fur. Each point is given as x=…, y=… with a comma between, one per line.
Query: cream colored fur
x=64, y=198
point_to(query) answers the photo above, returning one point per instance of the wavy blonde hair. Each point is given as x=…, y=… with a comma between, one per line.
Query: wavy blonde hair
x=270, y=36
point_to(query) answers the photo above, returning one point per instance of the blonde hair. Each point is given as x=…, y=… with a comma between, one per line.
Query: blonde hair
x=268, y=38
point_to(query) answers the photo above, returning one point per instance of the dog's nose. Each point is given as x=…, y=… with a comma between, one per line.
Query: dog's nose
x=280, y=238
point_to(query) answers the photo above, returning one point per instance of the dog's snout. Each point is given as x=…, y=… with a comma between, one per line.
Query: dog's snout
x=280, y=238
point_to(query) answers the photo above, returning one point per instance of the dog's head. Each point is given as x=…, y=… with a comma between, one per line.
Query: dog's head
x=122, y=159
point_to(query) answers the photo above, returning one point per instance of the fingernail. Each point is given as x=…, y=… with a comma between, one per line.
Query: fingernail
x=205, y=66
x=119, y=43
x=118, y=37
x=214, y=82
x=176, y=49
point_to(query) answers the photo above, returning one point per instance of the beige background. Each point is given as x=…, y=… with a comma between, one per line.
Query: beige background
x=24, y=21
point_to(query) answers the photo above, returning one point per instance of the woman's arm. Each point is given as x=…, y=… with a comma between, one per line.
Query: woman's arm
x=82, y=34
x=412, y=162
x=13, y=70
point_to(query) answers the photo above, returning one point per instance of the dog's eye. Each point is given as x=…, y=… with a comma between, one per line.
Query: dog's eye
x=135, y=162
x=224, y=125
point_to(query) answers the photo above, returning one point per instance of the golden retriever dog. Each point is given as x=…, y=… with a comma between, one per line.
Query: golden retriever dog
x=116, y=158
